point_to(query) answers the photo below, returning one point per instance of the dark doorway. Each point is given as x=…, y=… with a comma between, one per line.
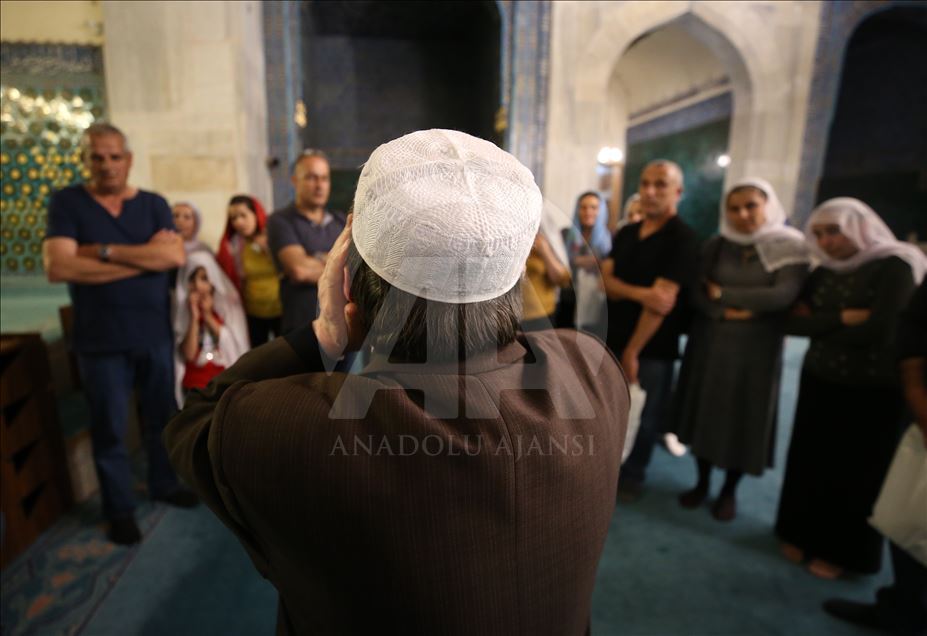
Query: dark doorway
x=374, y=71
x=877, y=147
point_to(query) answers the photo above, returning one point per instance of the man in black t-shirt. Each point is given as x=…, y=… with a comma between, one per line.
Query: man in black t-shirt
x=113, y=244
x=650, y=265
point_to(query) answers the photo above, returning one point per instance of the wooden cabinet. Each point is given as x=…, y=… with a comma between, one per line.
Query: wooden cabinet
x=34, y=483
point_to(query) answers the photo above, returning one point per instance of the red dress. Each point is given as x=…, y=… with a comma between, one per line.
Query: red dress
x=198, y=376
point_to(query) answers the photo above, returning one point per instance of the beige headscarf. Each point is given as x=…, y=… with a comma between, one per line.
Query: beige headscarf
x=873, y=239
x=777, y=244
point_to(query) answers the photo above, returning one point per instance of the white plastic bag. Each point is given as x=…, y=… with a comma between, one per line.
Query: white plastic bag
x=638, y=397
x=900, y=513
x=590, y=299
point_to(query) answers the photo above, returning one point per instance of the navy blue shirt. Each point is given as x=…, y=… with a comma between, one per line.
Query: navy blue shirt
x=288, y=227
x=672, y=253
x=125, y=315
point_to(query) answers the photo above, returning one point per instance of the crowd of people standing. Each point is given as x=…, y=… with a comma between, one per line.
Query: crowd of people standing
x=844, y=282
x=158, y=311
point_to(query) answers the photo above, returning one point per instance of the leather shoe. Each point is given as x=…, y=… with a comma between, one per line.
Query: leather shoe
x=181, y=498
x=863, y=614
x=725, y=508
x=629, y=490
x=693, y=498
x=124, y=531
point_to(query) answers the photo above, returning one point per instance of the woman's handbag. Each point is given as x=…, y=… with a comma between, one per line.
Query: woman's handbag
x=900, y=512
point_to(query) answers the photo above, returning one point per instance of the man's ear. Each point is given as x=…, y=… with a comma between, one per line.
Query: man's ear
x=354, y=321
x=346, y=284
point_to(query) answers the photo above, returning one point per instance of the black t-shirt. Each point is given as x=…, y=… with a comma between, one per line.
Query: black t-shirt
x=124, y=315
x=669, y=253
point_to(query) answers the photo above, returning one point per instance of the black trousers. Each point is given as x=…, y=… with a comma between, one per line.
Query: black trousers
x=904, y=603
x=259, y=329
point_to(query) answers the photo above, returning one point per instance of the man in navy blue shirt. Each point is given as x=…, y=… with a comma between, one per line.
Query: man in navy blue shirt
x=300, y=236
x=113, y=244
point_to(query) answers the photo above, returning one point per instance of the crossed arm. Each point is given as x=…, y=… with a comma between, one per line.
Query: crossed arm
x=299, y=266
x=656, y=302
x=66, y=261
x=63, y=264
x=659, y=298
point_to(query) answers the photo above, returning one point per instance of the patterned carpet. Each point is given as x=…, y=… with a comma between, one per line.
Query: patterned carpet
x=57, y=585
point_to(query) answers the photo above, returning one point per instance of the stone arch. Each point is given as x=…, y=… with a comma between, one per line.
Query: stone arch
x=593, y=95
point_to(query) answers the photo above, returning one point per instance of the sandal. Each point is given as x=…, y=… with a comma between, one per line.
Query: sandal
x=792, y=553
x=825, y=570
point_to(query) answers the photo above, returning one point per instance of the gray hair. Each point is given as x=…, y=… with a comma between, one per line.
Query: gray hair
x=672, y=166
x=433, y=331
x=305, y=154
x=102, y=129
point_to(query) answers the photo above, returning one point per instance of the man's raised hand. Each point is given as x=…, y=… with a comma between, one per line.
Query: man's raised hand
x=338, y=323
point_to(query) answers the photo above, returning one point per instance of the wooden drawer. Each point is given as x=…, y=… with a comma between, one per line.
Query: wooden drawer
x=34, y=485
x=29, y=467
x=21, y=424
x=16, y=377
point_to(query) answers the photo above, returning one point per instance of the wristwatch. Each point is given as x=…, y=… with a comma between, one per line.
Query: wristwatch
x=104, y=253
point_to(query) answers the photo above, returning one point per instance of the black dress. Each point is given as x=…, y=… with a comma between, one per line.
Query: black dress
x=849, y=417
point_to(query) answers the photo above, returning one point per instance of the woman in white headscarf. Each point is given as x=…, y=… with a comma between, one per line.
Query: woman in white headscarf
x=725, y=405
x=210, y=329
x=850, y=410
x=188, y=220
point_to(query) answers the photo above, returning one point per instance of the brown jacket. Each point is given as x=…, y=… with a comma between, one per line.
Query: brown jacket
x=388, y=520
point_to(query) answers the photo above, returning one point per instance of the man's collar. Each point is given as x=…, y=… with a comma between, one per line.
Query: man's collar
x=480, y=363
x=665, y=223
x=327, y=216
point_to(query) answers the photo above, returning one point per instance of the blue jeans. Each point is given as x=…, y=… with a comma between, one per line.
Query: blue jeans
x=108, y=380
x=656, y=378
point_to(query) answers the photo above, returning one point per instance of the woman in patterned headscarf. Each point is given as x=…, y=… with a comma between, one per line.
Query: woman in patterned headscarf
x=850, y=410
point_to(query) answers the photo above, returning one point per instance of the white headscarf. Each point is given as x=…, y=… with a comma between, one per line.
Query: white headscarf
x=776, y=243
x=868, y=232
x=233, y=338
x=194, y=244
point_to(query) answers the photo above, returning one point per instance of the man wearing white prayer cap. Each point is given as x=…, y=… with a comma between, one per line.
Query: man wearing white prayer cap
x=463, y=481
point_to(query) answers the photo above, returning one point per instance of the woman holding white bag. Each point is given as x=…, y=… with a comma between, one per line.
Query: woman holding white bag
x=850, y=410
x=901, y=608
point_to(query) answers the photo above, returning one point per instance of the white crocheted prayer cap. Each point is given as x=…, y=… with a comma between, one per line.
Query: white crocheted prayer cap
x=446, y=216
